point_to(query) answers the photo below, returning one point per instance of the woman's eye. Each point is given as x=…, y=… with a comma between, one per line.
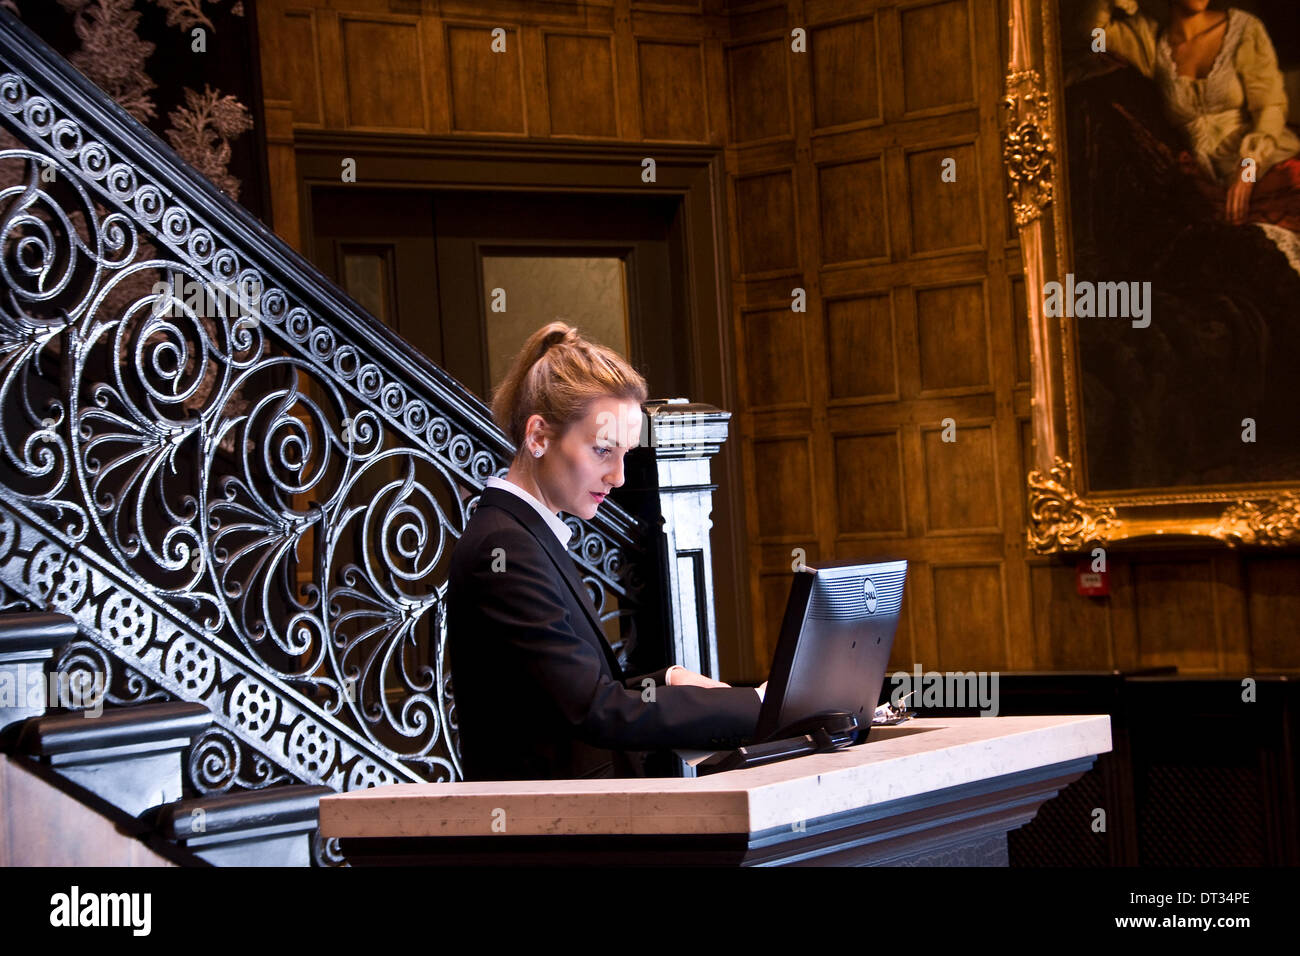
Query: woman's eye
x=601, y=451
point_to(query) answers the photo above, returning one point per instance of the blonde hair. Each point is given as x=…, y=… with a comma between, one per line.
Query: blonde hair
x=558, y=374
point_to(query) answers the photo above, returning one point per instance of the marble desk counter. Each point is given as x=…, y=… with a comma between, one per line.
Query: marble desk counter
x=897, y=766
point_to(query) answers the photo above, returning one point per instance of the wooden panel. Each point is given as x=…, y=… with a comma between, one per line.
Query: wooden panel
x=282, y=167
x=1020, y=318
x=380, y=57
x=845, y=73
x=937, y=60
x=945, y=216
x=750, y=19
x=961, y=480
x=868, y=474
x=860, y=347
x=580, y=85
x=486, y=88
x=673, y=102
x=968, y=617
x=1175, y=614
x=1231, y=614
x=851, y=199
x=758, y=78
x=765, y=210
x=952, y=337
x=298, y=75
x=775, y=593
x=904, y=652
x=1073, y=631
x=774, y=557
x=774, y=356
x=1273, y=586
x=783, y=496
x=1025, y=429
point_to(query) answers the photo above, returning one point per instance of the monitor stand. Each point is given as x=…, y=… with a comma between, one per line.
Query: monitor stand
x=820, y=734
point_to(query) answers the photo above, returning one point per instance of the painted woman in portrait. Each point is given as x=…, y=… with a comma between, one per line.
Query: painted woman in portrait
x=1183, y=171
x=1218, y=77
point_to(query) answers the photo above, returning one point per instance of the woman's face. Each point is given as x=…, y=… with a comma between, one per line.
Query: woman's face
x=587, y=460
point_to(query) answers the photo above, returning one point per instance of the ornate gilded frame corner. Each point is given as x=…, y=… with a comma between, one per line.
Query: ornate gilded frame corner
x=1060, y=520
x=1063, y=516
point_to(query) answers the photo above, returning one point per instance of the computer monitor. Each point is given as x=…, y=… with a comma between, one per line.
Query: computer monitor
x=834, y=646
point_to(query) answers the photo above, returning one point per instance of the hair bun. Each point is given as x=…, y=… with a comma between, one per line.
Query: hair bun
x=556, y=336
x=561, y=388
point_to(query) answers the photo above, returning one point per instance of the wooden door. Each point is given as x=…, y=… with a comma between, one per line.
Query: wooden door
x=426, y=262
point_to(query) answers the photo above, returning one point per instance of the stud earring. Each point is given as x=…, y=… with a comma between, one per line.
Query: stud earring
x=537, y=453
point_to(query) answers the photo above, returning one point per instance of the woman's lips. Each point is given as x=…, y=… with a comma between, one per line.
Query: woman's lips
x=599, y=498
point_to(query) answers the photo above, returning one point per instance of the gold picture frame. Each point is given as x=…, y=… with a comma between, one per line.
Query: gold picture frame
x=1064, y=516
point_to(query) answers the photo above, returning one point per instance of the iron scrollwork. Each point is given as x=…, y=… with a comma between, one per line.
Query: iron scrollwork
x=245, y=497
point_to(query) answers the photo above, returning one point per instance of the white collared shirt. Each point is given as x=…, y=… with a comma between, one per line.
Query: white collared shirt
x=562, y=531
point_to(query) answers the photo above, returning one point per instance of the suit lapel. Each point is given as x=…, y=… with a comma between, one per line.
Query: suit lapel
x=559, y=556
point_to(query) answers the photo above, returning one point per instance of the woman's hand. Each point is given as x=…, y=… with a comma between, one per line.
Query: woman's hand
x=1238, y=200
x=681, y=677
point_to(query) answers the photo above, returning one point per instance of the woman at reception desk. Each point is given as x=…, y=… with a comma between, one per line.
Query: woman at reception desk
x=539, y=693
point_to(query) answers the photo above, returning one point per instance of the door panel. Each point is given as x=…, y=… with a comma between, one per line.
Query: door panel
x=523, y=290
x=638, y=231
x=377, y=245
x=415, y=259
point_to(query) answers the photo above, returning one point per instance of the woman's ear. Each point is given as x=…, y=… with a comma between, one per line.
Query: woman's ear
x=536, y=434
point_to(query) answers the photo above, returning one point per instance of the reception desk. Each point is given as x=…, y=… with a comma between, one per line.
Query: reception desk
x=931, y=791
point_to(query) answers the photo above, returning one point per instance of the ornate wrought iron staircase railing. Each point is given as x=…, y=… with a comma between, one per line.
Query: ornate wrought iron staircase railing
x=241, y=488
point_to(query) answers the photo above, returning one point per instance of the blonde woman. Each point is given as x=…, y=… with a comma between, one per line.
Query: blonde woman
x=539, y=693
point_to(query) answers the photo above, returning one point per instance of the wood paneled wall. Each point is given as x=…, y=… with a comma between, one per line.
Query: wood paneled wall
x=916, y=316
x=914, y=303
x=838, y=162
x=615, y=71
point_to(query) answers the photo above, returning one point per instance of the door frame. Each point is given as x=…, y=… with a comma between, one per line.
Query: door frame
x=696, y=174
x=595, y=247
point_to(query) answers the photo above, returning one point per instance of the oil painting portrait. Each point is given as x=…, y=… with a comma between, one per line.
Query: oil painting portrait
x=1182, y=179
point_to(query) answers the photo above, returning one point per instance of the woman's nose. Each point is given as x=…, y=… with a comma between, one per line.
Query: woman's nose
x=615, y=474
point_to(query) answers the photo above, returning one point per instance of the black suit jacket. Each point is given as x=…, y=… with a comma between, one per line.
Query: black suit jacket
x=539, y=693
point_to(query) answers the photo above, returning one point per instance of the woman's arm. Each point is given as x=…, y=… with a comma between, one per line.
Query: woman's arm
x=525, y=611
x=1256, y=64
x=1132, y=37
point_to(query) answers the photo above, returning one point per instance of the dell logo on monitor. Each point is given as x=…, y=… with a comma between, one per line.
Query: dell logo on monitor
x=869, y=594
